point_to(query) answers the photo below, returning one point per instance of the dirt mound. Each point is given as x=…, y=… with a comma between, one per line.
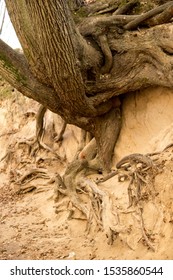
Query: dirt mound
x=32, y=228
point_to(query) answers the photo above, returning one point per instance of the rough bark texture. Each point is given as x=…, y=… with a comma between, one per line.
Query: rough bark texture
x=77, y=71
x=15, y=69
x=50, y=48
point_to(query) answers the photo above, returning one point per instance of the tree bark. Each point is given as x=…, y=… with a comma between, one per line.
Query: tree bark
x=51, y=45
x=15, y=69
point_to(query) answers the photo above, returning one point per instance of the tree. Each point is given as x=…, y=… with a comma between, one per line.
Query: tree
x=77, y=61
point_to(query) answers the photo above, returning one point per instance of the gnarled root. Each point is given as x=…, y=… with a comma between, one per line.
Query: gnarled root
x=59, y=137
x=28, y=177
x=37, y=143
x=141, y=172
x=102, y=210
x=83, y=194
x=98, y=211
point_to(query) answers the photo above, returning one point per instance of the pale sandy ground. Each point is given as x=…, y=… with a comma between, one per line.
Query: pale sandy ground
x=29, y=227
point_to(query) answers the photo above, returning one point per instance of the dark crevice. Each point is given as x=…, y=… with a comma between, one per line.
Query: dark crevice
x=167, y=52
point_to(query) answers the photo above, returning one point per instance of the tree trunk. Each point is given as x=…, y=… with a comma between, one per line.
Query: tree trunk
x=51, y=45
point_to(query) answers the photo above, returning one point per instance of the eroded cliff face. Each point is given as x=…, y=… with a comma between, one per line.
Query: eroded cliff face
x=32, y=228
x=147, y=122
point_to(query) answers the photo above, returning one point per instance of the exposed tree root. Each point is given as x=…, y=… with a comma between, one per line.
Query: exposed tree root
x=83, y=141
x=102, y=210
x=108, y=125
x=135, y=158
x=98, y=209
x=107, y=54
x=100, y=28
x=106, y=10
x=162, y=18
x=87, y=200
x=59, y=137
x=127, y=7
x=31, y=175
x=40, y=131
x=144, y=234
x=66, y=186
x=26, y=189
x=98, y=206
x=127, y=22
x=140, y=170
x=107, y=177
x=37, y=143
x=134, y=23
x=31, y=187
x=96, y=7
x=9, y=133
x=9, y=154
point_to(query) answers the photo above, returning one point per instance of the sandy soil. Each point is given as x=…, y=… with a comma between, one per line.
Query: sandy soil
x=29, y=226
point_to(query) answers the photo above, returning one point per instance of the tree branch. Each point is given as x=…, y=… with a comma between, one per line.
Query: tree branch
x=15, y=70
x=162, y=18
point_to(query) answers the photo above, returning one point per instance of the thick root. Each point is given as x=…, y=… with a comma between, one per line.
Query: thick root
x=106, y=134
